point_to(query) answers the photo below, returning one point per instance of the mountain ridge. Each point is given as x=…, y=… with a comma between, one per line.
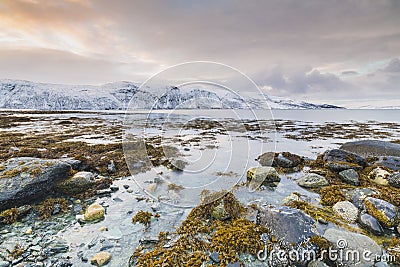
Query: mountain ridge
x=22, y=94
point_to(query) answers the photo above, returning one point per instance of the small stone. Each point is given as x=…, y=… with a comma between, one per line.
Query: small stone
x=214, y=257
x=94, y=212
x=350, y=176
x=4, y=263
x=346, y=210
x=100, y=258
x=102, y=229
x=379, y=176
x=394, y=180
x=220, y=213
x=29, y=231
x=371, y=224
x=126, y=186
x=263, y=176
x=114, y=188
x=111, y=167
x=152, y=187
x=312, y=180
x=291, y=198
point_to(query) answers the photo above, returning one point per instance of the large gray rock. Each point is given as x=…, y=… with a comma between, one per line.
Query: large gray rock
x=339, y=160
x=372, y=148
x=26, y=180
x=312, y=180
x=352, y=244
x=289, y=225
x=357, y=196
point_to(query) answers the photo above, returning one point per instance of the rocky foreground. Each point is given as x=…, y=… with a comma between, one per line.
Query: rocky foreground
x=55, y=187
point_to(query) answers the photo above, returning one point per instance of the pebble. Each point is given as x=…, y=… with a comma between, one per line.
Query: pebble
x=214, y=257
x=101, y=258
x=346, y=210
x=94, y=212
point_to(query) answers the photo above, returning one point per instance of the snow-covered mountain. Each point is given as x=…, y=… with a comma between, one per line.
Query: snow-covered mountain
x=16, y=94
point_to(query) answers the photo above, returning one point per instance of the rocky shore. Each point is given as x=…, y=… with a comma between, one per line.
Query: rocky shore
x=72, y=203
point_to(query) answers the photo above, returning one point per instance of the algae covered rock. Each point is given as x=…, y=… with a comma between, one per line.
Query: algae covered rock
x=382, y=210
x=263, y=176
x=312, y=180
x=389, y=162
x=79, y=182
x=379, y=176
x=101, y=258
x=26, y=180
x=346, y=210
x=94, y=212
x=339, y=160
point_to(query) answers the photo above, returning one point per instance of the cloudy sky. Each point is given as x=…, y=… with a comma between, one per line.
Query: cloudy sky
x=338, y=52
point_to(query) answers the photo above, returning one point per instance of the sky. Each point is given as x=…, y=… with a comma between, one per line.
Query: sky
x=339, y=52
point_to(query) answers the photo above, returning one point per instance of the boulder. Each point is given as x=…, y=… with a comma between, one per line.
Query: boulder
x=346, y=210
x=339, y=160
x=289, y=225
x=375, y=148
x=370, y=223
x=94, y=212
x=263, y=176
x=394, y=180
x=26, y=180
x=353, y=242
x=349, y=176
x=283, y=159
x=312, y=180
x=379, y=176
x=382, y=210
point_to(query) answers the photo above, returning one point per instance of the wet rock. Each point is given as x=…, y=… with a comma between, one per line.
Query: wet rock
x=390, y=162
x=382, y=210
x=312, y=180
x=4, y=263
x=263, y=175
x=371, y=224
x=291, y=198
x=101, y=258
x=357, y=196
x=284, y=159
x=80, y=182
x=350, y=242
x=374, y=148
x=346, y=210
x=26, y=180
x=94, y=212
x=220, y=213
x=394, y=180
x=339, y=160
x=349, y=176
x=177, y=164
x=214, y=257
x=289, y=225
x=379, y=176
